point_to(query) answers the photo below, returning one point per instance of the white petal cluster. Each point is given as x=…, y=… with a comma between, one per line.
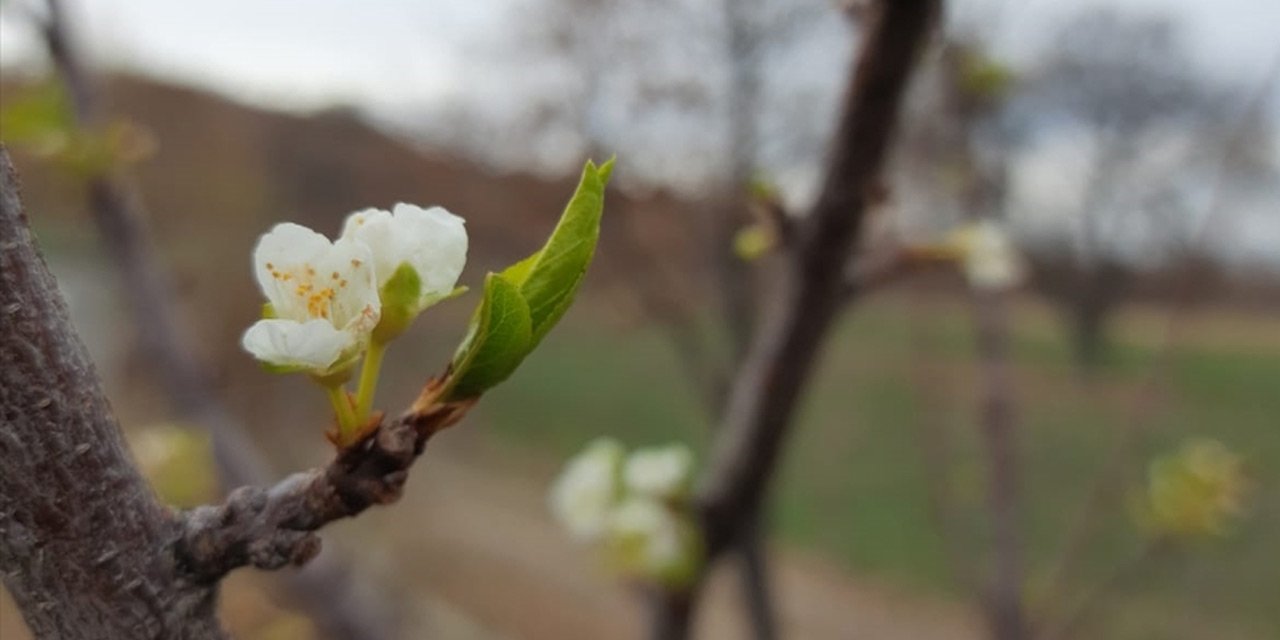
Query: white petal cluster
x=635, y=510
x=660, y=472
x=432, y=241
x=323, y=296
x=991, y=260
x=651, y=529
x=585, y=493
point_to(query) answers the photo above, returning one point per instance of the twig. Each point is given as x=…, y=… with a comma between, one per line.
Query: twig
x=1005, y=605
x=937, y=449
x=1070, y=623
x=273, y=528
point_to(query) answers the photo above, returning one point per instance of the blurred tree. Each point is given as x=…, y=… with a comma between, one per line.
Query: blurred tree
x=1122, y=87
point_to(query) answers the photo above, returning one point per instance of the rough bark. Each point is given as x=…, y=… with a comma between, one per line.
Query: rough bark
x=275, y=527
x=341, y=604
x=83, y=541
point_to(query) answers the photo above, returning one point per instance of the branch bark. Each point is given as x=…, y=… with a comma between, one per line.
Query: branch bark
x=275, y=527
x=82, y=539
x=1005, y=610
x=336, y=600
x=785, y=345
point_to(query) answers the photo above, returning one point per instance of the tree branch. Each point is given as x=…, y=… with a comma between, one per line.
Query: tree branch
x=784, y=346
x=82, y=539
x=783, y=351
x=1004, y=600
x=327, y=590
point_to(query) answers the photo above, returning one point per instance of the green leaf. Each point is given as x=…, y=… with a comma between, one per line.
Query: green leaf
x=399, y=303
x=499, y=339
x=523, y=303
x=549, y=278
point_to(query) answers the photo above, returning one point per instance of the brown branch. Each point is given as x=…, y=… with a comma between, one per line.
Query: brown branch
x=82, y=539
x=341, y=605
x=783, y=351
x=1005, y=608
x=784, y=346
x=1089, y=604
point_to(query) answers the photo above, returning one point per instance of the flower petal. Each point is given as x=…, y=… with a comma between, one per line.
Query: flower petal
x=313, y=345
x=347, y=270
x=433, y=241
x=439, y=248
x=587, y=489
x=280, y=251
x=660, y=472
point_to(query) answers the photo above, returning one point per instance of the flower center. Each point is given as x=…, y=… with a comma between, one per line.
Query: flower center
x=316, y=298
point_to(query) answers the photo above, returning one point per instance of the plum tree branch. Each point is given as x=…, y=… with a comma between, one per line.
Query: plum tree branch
x=83, y=541
x=329, y=590
x=784, y=346
x=784, y=349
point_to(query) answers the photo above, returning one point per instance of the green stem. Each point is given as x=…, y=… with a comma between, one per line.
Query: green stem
x=342, y=408
x=369, y=379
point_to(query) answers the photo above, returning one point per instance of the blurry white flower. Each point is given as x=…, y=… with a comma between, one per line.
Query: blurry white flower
x=646, y=537
x=431, y=241
x=660, y=472
x=323, y=297
x=586, y=491
x=991, y=261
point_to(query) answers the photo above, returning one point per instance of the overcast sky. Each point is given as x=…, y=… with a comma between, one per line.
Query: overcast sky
x=310, y=53
x=389, y=58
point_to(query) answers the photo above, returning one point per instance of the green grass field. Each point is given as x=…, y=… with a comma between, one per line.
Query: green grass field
x=898, y=374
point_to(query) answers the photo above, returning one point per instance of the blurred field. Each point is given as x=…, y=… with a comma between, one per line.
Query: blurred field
x=855, y=483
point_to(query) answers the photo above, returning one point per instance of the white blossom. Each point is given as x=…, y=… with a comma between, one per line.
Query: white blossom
x=431, y=241
x=323, y=297
x=991, y=261
x=588, y=488
x=650, y=531
x=660, y=472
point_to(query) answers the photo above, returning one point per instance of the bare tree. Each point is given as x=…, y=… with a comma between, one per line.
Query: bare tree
x=1127, y=85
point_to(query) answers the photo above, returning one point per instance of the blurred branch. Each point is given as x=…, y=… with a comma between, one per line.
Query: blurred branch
x=1069, y=626
x=655, y=289
x=937, y=447
x=328, y=590
x=878, y=269
x=1005, y=605
x=785, y=345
